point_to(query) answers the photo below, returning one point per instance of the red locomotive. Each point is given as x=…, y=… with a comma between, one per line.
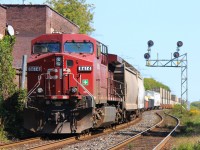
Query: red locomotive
x=75, y=85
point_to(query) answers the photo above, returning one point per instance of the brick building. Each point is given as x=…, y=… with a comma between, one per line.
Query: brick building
x=30, y=21
x=2, y=20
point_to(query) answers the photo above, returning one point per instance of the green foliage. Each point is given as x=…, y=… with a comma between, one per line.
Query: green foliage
x=188, y=146
x=196, y=104
x=190, y=120
x=11, y=113
x=150, y=83
x=130, y=146
x=3, y=134
x=7, y=72
x=77, y=11
x=11, y=100
x=190, y=126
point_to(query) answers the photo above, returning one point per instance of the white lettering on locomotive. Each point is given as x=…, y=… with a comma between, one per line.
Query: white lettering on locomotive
x=85, y=68
x=34, y=68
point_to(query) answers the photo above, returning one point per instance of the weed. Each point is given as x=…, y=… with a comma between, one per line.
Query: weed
x=130, y=146
x=188, y=138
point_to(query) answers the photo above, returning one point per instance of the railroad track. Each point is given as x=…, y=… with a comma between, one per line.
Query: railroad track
x=20, y=143
x=61, y=143
x=39, y=144
x=154, y=137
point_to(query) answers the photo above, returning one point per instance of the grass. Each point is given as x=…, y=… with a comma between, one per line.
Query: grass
x=187, y=143
x=3, y=137
x=189, y=136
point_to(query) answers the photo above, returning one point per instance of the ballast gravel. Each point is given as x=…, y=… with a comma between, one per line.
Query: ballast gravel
x=149, y=118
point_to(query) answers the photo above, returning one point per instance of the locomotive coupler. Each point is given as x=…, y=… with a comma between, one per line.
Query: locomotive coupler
x=57, y=117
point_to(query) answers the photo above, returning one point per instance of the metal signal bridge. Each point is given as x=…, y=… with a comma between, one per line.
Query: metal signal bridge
x=177, y=60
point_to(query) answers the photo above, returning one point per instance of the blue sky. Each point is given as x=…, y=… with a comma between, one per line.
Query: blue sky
x=126, y=26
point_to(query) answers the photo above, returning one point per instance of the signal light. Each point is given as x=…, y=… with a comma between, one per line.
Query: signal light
x=179, y=43
x=150, y=43
x=176, y=54
x=146, y=55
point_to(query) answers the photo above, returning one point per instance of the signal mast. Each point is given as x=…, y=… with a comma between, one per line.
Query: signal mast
x=178, y=61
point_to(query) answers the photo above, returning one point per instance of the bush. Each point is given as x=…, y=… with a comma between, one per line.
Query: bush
x=196, y=146
x=188, y=146
x=190, y=127
x=7, y=72
x=11, y=114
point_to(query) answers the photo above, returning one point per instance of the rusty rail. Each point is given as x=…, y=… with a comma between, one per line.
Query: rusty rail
x=164, y=141
x=125, y=142
x=10, y=145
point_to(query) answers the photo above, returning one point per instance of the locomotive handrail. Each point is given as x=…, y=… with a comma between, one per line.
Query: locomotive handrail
x=35, y=86
x=83, y=88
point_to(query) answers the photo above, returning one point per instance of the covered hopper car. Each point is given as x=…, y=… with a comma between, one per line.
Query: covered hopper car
x=74, y=84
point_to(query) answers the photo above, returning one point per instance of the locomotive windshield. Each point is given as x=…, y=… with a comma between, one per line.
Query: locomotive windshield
x=46, y=48
x=78, y=47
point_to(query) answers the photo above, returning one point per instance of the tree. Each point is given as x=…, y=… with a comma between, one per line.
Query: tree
x=77, y=11
x=7, y=72
x=150, y=83
x=11, y=98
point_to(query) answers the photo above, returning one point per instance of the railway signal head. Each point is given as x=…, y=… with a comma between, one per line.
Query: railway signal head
x=146, y=56
x=176, y=54
x=179, y=43
x=150, y=43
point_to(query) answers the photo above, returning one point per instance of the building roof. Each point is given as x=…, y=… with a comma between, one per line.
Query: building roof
x=2, y=6
x=38, y=5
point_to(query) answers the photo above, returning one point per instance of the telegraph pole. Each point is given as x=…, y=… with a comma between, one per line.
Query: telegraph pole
x=178, y=61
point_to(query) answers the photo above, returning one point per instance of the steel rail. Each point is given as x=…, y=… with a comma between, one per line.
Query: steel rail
x=61, y=143
x=164, y=141
x=10, y=145
x=125, y=142
x=53, y=144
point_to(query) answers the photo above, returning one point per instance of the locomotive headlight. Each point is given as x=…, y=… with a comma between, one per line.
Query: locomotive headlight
x=58, y=61
x=73, y=90
x=39, y=90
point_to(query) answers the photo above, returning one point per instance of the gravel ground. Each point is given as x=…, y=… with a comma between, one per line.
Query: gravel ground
x=149, y=118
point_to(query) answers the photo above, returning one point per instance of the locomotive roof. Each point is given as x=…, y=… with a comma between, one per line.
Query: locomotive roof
x=58, y=36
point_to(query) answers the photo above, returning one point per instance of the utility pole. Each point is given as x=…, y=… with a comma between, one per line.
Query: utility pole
x=179, y=61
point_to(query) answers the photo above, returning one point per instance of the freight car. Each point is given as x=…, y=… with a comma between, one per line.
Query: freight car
x=74, y=84
x=154, y=99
